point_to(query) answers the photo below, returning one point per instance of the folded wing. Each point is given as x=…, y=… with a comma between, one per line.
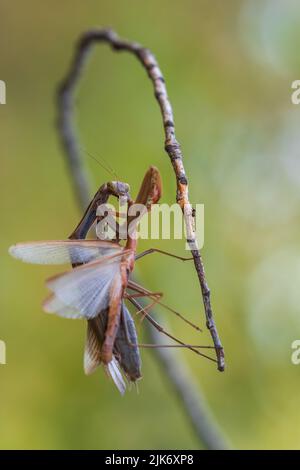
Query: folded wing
x=126, y=351
x=92, y=352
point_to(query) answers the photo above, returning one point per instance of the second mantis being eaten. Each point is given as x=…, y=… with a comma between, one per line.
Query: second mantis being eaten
x=99, y=283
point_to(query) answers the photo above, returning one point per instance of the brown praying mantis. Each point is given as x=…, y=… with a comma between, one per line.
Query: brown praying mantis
x=99, y=283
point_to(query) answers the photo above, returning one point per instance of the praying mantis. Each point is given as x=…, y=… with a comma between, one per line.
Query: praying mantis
x=99, y=283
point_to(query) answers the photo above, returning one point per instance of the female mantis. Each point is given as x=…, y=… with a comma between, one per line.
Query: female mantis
x=97, y=285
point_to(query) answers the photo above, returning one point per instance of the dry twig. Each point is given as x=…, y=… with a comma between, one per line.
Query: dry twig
x=180, y=380
x=172, y=147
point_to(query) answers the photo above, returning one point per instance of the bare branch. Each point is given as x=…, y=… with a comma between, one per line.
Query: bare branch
x=172, y=147
x=193, y=403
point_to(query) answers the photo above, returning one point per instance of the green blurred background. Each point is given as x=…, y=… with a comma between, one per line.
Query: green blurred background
x=229, y=68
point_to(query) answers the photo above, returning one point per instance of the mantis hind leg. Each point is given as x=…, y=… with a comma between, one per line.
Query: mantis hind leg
x=162, y=252
x=179, y=344
x=146, y=293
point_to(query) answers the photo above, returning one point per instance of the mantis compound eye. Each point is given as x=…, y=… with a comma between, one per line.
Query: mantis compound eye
x=119, y=189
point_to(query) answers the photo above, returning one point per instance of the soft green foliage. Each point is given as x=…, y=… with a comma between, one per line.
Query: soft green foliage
x=228, y=66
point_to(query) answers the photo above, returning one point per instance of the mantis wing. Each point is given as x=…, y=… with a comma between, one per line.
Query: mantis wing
x=92, y=351
x=94, y=340
x=125, y=349
x=63, y=251
x=84, y=291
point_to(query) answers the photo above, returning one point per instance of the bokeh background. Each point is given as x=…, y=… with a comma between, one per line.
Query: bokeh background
x=229, y=68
